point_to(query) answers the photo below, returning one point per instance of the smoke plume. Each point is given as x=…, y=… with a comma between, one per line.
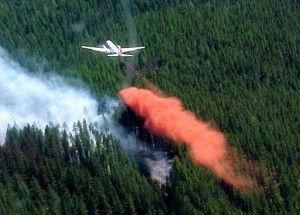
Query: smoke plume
x=166, y=117
x=153, y=162
x=25, y=98
x=132, y=35
x=132, y=38
x=32, y=98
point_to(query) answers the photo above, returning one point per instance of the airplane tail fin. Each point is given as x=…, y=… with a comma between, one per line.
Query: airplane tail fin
x=113, y=55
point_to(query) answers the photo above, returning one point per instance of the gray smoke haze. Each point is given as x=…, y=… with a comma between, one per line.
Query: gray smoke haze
x=157, y=162
x=132, y=39
x=27, y=98
x=132, y=35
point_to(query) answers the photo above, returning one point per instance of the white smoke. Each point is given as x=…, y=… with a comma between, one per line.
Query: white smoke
x=157, y=162
x=132, y=34
x=25, y=98
x=132, y=38
x=29, y=98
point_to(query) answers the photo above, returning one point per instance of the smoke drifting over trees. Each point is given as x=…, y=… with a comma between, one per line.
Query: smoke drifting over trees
x=233, y=63
x=26, y=98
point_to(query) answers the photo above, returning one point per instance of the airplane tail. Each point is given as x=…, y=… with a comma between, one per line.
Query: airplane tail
x=113, y=55
x=122, y=55
x=126, y=55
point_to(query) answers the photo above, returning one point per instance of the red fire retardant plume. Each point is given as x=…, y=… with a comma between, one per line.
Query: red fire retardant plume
x=166, y=117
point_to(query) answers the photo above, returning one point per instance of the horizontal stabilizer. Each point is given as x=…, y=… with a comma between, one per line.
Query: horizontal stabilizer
x=126, y=55
x=121, y=55
x=132, y=49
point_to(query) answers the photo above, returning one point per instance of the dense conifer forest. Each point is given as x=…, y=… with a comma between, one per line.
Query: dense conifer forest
x=234, y=63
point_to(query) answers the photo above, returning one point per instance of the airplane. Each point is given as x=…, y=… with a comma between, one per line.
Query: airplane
x=113, y=50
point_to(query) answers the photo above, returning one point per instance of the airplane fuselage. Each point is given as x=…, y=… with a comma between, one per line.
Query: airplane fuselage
x=113, y=48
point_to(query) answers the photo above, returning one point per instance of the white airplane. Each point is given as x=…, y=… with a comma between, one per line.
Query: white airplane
x=113, y=50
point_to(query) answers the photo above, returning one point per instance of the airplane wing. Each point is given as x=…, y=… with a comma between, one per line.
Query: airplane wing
x=94, y=48
x=131, y=49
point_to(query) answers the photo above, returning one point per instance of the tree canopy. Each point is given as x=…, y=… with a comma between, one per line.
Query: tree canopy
x=233, y=63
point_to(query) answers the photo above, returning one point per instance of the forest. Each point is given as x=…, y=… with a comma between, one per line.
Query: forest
x=234, y=63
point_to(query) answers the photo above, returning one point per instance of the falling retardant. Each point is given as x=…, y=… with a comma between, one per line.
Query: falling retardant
x=167, y=118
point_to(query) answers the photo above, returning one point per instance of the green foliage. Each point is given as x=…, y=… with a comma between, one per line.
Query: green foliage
x=100, y=180
x=234, y=63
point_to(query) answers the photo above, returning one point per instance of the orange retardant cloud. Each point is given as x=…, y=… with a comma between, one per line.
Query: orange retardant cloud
x=166, y=117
